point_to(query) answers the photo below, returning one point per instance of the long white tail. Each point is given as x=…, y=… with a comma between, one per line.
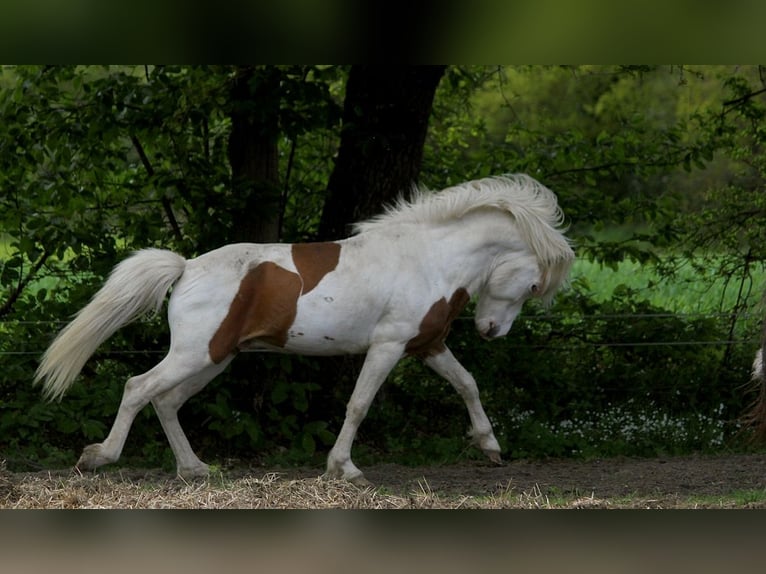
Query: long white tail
x=135, y=286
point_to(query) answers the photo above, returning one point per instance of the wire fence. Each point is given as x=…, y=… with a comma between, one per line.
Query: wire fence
x=55, y=325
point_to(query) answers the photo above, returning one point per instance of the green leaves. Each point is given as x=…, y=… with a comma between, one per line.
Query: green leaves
x=98, y=160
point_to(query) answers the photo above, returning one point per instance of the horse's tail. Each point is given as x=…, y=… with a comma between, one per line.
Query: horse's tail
x=135, y=286
x=755, y=418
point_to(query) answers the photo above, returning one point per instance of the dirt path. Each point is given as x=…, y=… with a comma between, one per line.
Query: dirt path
x=606, y=478
x=672, y=482
x=602, y=478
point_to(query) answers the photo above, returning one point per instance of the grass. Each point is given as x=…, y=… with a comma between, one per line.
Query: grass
x=270, y=491
x=112, y=490
x=687, y=292
x=749, y=498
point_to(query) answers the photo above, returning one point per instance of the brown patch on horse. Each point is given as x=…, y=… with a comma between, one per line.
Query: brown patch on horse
x=315, y=260
x=264, y=308
x=435, y=325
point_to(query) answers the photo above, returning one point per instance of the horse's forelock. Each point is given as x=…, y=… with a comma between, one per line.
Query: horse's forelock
x=555, y=277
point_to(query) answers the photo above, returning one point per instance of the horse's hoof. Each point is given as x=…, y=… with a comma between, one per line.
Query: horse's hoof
x=494, y=457
x=360, y=481
x=357, y=480
x=91, y=458
x=202, y=471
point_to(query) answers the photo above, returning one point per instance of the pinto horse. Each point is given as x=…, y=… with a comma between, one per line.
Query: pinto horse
x=755, y=418
x=390, y=290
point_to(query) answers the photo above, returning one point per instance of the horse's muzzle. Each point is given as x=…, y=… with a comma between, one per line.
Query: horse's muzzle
x=491, y=333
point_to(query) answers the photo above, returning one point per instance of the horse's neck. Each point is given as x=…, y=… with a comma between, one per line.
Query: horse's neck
x=463, y=250
x=483, y=239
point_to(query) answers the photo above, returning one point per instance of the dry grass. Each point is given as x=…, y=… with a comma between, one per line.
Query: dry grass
x=117, y=489
x=271, y=491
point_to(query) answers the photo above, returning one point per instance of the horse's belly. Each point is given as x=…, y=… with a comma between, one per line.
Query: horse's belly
x=320, y=329
x=329, y=335
x=302, y=343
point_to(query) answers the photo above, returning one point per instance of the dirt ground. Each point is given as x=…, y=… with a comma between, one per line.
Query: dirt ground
x=605, y=478
x=729, y=481
x=602, y=478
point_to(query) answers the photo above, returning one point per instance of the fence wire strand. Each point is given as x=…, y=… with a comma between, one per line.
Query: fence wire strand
x=57, y=324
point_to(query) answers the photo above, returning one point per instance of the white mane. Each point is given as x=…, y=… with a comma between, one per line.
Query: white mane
x=533, y=207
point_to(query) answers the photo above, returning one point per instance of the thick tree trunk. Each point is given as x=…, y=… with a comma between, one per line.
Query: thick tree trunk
x=253, y=155
x=385, y=120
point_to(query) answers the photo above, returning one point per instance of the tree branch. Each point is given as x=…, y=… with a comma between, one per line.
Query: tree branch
x=7, y=307
x=166, y=205
x=610, y=165
x=741, y=100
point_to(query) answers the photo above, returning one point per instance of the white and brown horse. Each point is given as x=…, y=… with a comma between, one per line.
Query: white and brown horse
x=390, y=290
x=755, y=418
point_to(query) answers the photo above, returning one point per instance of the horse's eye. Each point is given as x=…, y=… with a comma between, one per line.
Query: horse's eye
x=534, y=288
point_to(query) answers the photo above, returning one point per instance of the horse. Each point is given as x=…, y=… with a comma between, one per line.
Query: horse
x=389, y=290
x=755, y=417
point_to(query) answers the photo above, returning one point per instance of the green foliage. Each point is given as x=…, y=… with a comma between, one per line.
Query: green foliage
x=660, y=170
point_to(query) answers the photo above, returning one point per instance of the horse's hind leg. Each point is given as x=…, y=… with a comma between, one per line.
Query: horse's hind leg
x=171, y=372
x=166, y=405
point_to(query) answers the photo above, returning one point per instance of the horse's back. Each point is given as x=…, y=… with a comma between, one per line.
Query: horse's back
x=302, y=298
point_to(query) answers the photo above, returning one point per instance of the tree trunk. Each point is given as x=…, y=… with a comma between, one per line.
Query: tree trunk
x=253, y=154
x=385, y=120
x=253, y=158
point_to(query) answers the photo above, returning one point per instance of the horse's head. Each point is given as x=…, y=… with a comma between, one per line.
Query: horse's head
x=512, y=280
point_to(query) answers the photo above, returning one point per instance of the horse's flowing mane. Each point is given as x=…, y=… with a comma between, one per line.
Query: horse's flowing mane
x=533, y=207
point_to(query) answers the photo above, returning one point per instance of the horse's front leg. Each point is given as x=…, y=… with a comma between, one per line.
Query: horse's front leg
x=381, y=358
x=446, y=365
